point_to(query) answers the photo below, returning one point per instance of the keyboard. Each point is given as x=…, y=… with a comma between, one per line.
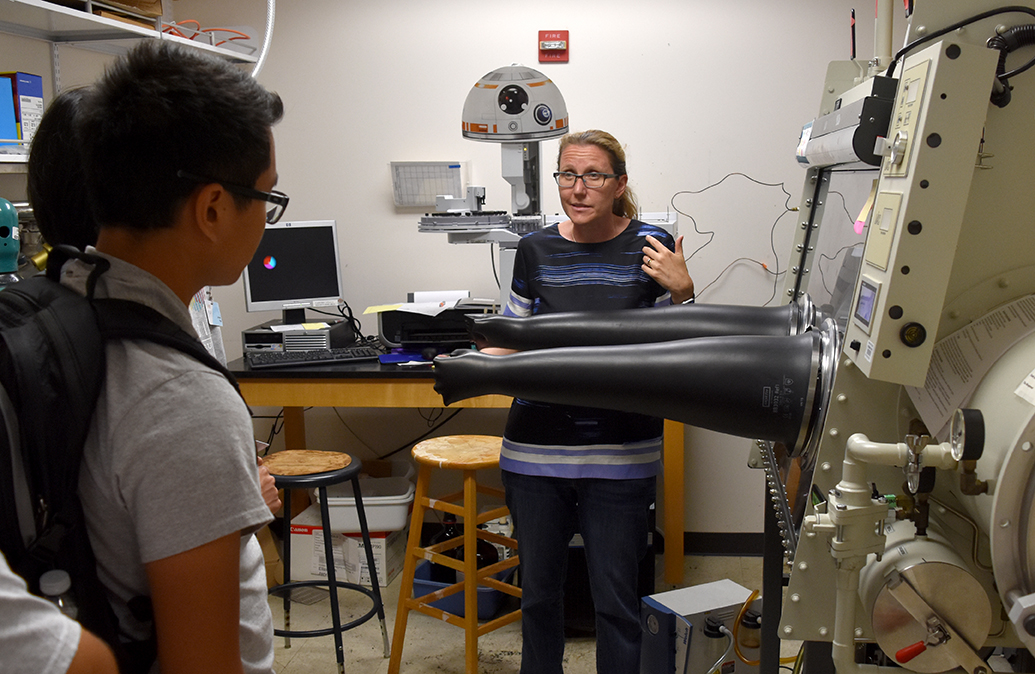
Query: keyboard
x=350, y=354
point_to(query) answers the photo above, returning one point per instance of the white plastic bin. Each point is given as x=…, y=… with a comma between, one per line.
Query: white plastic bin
x=386, y=501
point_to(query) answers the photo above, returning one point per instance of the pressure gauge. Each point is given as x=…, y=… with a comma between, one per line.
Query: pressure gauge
x=967, y=435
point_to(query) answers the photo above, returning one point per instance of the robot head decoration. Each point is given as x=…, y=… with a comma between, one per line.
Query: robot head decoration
x=514, y=103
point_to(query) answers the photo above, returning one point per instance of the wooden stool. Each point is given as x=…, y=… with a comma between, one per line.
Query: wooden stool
x=468, y=453
x=310, y=469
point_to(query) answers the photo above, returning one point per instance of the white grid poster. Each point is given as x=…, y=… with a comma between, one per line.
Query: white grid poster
x=417, y=183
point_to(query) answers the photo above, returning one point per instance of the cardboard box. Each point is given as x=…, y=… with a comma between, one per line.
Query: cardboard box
x=308, y=560
x=389, y=554
x=149, y=8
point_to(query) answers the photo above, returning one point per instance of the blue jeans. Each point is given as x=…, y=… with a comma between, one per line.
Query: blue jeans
x=612, y=516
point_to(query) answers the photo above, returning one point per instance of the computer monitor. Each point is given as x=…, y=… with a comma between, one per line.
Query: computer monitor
x=295, y=267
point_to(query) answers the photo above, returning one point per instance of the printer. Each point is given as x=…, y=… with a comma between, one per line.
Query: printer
x=447, y=330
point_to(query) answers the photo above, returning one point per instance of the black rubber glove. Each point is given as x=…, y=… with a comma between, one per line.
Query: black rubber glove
x=633, y=326
x=748, y=386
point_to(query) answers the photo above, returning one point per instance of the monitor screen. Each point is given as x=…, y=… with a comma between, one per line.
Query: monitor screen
x=295, y=267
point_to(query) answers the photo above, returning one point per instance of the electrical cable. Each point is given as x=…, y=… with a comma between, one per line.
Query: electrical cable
x=345, y=311
x=275, y=430
x=956, y=26
x=772, y=230
x=432, y=416
x=824, y=256
x=495, y=274
x=421, y=437
x=739, y=259
x=844, y=205
x=337, y=413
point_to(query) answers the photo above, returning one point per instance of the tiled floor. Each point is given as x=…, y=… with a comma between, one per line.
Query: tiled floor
x=435, y=646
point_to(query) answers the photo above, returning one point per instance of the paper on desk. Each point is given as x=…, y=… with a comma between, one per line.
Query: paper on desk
x=961, y=360
x=424, y=308
x=439, y=295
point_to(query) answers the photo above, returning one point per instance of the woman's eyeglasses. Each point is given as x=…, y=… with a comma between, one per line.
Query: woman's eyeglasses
x=590, y=180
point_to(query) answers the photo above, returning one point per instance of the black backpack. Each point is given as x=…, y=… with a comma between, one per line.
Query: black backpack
x=52, y=366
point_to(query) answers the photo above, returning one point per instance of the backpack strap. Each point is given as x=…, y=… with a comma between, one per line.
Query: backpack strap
x=62, y=253
x=125, y=319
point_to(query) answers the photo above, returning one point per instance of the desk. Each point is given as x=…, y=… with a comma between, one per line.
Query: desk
x=376, y=385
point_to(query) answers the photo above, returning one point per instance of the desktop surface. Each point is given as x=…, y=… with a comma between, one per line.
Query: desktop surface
x=365, y=370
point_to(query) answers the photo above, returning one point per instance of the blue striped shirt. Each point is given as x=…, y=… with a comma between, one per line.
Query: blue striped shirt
x=553, y=274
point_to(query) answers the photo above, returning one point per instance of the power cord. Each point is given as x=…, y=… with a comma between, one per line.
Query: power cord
x=411, y=443
x=956, y=26
x=345, y=311
x=772, y=230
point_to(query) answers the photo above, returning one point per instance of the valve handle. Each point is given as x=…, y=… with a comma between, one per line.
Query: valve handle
x=906, y=654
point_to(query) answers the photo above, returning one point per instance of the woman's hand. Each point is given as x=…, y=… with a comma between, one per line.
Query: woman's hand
x=668, y=268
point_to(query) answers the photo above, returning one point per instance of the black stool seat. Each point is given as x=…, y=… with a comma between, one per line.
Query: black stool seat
x=310, y=469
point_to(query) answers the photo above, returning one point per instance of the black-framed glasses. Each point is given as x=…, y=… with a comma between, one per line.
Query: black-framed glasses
x=278, y=200
x=591, y=180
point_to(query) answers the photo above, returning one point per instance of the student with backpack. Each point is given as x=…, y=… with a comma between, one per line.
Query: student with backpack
x=36, y=638
x=179, y=165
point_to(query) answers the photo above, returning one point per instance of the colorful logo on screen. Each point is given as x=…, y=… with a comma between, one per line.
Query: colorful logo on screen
x=269, y=262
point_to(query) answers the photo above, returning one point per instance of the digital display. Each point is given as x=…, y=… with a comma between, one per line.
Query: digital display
x=296, y=264
x=866, y=302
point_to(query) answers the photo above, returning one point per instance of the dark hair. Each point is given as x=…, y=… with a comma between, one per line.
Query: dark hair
x=624, y=205
x=55, y=181
x=164, y=108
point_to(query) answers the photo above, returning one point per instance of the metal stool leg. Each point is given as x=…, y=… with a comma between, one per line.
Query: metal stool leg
x=375, y=585
x=286, y=558
x=332, y=584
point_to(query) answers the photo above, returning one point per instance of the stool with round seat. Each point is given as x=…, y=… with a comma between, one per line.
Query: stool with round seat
x=467, y=453
x=311, y=469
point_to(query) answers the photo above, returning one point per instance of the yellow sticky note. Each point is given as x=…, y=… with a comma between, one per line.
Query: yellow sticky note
x=381, y=307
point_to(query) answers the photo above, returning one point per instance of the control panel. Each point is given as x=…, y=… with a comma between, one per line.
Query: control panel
x=914, y=224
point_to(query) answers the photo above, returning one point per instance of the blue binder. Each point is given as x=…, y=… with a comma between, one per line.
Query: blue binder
x=8, y=121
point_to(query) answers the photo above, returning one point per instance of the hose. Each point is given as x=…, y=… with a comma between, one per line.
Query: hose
x=736, y=629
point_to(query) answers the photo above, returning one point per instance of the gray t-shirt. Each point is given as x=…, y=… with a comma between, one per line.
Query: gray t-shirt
x=35, y=638
x=169, y=464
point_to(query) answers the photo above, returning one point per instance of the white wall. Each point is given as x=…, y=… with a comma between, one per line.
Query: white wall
x=695, y=89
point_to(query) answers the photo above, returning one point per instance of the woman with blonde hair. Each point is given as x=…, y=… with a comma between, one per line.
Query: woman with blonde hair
x=568, y=468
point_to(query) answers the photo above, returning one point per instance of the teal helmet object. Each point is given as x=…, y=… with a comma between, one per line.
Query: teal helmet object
x=10, y=246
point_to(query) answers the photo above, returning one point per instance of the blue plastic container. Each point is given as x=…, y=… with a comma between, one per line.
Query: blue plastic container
x=488, y=599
